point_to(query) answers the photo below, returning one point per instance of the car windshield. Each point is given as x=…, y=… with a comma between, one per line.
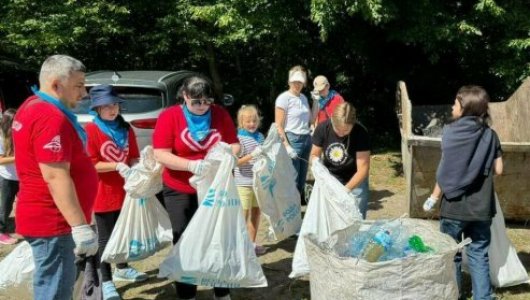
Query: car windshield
x=137, y=100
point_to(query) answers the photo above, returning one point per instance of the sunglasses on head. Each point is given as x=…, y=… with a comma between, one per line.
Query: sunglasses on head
x=198, y=102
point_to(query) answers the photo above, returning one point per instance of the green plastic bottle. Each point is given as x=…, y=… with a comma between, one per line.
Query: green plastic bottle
x=417, y=245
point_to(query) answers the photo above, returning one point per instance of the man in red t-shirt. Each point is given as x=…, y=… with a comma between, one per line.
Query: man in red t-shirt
x=58, y=182
x=324, y=100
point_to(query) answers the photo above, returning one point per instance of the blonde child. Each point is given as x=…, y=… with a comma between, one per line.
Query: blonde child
x=251, y=140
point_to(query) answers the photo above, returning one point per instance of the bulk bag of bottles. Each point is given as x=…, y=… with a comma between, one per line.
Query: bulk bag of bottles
x=275, y=188
x=415, y=277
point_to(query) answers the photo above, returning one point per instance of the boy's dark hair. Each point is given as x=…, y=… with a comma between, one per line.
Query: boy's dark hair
x=474, y=101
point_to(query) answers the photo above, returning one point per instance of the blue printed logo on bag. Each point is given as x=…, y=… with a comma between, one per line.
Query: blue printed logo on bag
x=221, y=200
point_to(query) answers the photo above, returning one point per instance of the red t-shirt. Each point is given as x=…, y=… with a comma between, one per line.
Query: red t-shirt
x=327, y=112
x=171, y=132
x=101, y=148
x=43, y=134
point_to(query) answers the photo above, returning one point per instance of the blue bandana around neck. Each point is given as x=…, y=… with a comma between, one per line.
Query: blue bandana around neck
x=118, y=134
x=322, y=102
x=258, y=137
x=68, y=113
x=198, y=125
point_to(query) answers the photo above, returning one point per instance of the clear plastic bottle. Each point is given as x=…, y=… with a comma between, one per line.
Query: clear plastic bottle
x=377, y=246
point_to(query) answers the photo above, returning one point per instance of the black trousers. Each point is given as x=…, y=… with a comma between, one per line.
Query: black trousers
x=181, y=208
x=105, y=224
x=9, y=192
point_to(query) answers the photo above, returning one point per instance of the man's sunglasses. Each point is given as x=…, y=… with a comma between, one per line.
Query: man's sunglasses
x=198, y=102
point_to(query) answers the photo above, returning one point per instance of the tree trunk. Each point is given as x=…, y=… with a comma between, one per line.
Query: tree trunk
x=214, y=72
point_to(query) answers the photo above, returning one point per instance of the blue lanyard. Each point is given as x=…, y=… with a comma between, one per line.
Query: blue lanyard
x=119, y=135
x=71, y=117
x=256, y=135
x=199, y=126
x=322, y=102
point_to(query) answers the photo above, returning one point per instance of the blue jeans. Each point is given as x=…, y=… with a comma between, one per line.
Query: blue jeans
x=302, y=145
x=55, y=271
x=362, y=191
x=477, y=253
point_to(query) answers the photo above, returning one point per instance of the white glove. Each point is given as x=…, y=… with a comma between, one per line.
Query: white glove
x=198, y=167
x=123, y=169
x=291, y=152
x=429, y=203
x=315, y=95
x=256, y=152
x=85, y=239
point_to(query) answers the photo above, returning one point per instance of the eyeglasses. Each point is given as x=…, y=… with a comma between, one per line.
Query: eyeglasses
x=198, y=102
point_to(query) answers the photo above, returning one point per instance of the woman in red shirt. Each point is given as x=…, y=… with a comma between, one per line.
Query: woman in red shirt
x=112, y=147
x=183, y=135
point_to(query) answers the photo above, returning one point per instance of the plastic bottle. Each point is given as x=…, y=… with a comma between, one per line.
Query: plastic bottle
x=416, y=244
x=377, y=245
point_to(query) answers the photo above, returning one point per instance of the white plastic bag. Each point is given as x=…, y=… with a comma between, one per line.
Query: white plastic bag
x=145, y=178
x=330, y=208
x=16, y=273
x=143, y=226
x=505, y=267
x=215, y=249
x=275, y=188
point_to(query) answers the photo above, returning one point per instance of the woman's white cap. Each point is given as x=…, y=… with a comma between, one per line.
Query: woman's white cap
x=297, y=76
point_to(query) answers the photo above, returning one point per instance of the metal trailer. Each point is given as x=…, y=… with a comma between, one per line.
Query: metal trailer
x=421, y=126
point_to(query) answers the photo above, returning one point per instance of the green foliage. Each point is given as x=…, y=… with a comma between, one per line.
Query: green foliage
x=247, y=46
x=488, y=37
x=36, y=29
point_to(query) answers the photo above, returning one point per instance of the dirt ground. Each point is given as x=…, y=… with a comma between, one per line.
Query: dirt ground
x=387, y=201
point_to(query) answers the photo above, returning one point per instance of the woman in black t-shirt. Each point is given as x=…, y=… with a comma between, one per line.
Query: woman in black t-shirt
x=345, y=147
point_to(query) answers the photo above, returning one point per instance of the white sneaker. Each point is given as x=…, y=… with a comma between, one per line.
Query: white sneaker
x=129, y=275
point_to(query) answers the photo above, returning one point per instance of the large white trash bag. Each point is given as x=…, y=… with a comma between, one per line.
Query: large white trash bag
x=418, y=277
x=331, y=208
x=215, y=249
x=275, y=188
x=143, y=226
x=505, y=267
x=16, y=273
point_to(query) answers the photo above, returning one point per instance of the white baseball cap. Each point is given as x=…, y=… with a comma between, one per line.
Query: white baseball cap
x=297, y=76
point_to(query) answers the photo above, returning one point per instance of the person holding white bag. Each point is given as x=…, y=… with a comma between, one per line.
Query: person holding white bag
x=183, y=135
x=112, y=147
x=471, y=155
x=250, y=140
x=292, y=116
x=346, y=147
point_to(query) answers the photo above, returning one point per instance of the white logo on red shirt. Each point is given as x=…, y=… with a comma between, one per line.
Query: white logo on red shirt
x=16, y=125
x=54, y=145
x=210, y=140
x=113, y=153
